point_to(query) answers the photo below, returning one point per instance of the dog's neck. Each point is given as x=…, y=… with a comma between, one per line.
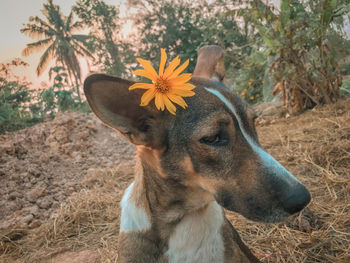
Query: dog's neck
x=183, y=219
x=168, y=199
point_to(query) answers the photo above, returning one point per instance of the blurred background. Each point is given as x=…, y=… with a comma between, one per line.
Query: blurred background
x=293, y=51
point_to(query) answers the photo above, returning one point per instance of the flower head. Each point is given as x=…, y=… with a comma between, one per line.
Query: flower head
x=167, y=85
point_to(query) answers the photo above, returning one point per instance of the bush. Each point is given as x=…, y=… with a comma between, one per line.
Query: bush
x=248, y=80
x=21, y=107
x=345, y=88
x=15, y=97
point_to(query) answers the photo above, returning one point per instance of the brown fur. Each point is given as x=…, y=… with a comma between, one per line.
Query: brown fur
x=169, y=202
x=179, y=173
x=210, y=63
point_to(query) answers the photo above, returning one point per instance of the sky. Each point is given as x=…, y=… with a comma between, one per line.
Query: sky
x=15, y=13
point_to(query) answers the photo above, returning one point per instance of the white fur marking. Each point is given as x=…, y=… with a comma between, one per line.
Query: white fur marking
x=197, y=238
x=132, y=218
x=267, y=159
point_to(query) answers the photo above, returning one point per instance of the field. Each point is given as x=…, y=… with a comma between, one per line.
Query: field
x=62, y=180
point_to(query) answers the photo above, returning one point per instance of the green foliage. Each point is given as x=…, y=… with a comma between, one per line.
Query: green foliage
x=298, y=50
x=301, y=40
x=248, y=79
x=21, y=107
x=14, y=99
x=174, y=26
x=182, y=28
x=57, y=38
x=59, y=97
x=345, y=68
x=103, y=21
x=13, y=112
x=345, y=88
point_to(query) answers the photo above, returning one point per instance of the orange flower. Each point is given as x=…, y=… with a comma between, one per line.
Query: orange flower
x=167, y=86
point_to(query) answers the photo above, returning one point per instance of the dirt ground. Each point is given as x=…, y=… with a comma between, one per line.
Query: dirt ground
x=61, y=183
x=40, y=167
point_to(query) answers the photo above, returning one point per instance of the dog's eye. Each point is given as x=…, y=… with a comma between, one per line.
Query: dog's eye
x=214, y=140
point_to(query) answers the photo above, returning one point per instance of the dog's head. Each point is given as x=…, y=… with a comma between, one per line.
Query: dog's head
x=212, y=145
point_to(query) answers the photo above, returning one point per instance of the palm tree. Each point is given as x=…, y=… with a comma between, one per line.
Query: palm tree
x=56, y=36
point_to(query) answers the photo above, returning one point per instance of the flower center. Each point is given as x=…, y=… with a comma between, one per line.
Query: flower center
x=162, y=85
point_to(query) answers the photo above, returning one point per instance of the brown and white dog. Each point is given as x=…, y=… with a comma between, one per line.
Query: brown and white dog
x=190, y=167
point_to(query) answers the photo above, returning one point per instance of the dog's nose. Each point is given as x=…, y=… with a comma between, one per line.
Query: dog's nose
x=297, y=200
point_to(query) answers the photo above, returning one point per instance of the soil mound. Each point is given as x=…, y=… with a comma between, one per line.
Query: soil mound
x=40, y=167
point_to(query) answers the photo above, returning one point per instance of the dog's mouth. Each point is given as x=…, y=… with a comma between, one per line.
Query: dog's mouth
x=272, y=211
x=272, y=216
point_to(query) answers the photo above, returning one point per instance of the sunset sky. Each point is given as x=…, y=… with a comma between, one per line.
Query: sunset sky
x=15, y=13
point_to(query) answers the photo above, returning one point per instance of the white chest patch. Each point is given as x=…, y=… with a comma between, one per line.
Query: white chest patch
x=197, y=238
x=132, y=218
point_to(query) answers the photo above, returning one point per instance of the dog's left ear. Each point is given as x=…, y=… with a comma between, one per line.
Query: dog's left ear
x=110, y=99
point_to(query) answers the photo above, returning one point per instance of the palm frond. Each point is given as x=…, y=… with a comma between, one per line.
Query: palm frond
x=36, y=32
x=73, y=63
x=79, y=52
x=53, y=14
x=78, y=25
x=36, y=46
x=82, y=38
x=67, y=55
x=45, y=59
x=82, y=50
x=41, y=23
x=55, y=33
x=68, y=22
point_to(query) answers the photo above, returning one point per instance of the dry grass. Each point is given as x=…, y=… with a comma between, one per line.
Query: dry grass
x=314, y=146
x=90, y=220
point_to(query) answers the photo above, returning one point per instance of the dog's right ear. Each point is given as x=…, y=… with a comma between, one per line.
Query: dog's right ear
x=210, y=63
x=110, y=99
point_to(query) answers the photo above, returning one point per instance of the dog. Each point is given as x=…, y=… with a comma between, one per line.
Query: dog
x=191, y=166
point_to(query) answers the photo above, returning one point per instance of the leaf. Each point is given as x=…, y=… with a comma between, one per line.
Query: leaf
x=342, y=11
x=328, y=11
x=285, y=12
x=269, y=40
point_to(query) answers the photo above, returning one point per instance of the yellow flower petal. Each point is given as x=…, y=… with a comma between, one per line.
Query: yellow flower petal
x=141, y=86
x=183, y=93
x=169, y=105
x=163, y=58
x=179, y=70
x=178, y=100
x=170, y=69
x=168, y=85
x=180, y=79
x=147, y=97
x=185, y=86
x=148, y=67
x=144, y=73
x=159, y=101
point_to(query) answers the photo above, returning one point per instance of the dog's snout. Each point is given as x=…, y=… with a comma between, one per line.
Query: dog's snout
x=297, y=200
